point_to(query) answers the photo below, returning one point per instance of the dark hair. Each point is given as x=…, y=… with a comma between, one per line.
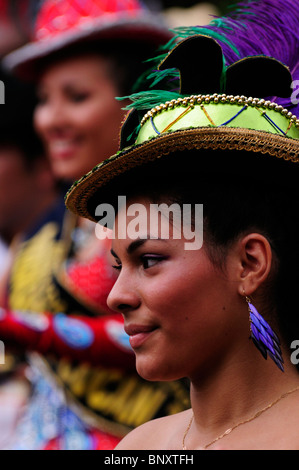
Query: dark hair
x=126, y=59
x=16, y=118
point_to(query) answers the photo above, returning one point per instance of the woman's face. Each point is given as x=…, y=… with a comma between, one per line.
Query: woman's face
x=180, y=311
x=77, y=116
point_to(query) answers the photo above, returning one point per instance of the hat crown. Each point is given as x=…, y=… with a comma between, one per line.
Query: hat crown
x=62, y=16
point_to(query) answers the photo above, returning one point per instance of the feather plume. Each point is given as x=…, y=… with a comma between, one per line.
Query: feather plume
x=149, y=99
x=254, y=27
x=268, y=27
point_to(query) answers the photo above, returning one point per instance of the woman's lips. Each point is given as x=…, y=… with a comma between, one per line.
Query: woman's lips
x=139, y=334
x=62, y=149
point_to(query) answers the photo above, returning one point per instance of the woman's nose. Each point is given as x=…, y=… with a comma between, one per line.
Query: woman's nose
x=50, y=116
x=123, y=296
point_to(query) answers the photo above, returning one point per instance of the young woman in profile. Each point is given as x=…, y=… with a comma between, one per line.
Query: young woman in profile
x=216, y=313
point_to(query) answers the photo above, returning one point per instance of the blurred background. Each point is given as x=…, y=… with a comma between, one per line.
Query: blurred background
x=27, y=396
x=17, y=16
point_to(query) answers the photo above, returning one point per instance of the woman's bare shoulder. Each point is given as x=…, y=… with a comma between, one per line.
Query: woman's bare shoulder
x=157, y=434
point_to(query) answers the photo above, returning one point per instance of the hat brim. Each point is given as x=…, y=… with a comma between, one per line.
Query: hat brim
x=97, y=184
x=144, y=27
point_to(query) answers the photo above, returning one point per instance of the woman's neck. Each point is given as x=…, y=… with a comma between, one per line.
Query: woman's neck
x=237, y=392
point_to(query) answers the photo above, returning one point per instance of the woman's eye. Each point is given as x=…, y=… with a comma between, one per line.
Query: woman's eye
x=117, y=266
x=79, y=97
x=148, y=261
x=41, y=99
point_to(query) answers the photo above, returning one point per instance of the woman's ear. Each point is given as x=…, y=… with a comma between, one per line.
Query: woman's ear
x=255, y=261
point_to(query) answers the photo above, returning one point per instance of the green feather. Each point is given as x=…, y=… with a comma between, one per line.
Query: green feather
x=219, y=37
x=167, y=74
x=149, y=99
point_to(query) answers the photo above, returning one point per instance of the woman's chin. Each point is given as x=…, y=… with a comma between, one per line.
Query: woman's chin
x=151, y=370
x=68, y=171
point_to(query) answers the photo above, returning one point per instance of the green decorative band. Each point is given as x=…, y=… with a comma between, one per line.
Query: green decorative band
x=204, y=122
x=218, y=110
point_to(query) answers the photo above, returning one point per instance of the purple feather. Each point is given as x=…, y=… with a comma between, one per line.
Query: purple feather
x=264, y=337
x=262, y=27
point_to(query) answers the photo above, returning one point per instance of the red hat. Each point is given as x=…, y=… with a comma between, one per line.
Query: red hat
x=61, y=23
x=15, y=24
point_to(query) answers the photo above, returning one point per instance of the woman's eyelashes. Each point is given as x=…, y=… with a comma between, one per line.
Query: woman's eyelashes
x=150, y=260
x=146, y=261
x=117, y=266
x=78, y=97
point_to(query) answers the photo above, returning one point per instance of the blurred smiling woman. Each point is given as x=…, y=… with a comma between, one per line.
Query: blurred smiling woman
x=77, y=115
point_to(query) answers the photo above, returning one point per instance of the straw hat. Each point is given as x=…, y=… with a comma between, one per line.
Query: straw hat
x=229, y=123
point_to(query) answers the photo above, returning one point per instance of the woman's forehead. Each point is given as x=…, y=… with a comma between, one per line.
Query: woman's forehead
x=84, y=64
x=141, y=219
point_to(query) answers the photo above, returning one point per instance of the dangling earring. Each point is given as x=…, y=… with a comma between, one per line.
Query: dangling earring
x=263, y=337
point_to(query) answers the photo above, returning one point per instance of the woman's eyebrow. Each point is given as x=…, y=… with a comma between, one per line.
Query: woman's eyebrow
x=113, y=253
x=135, y=244
x=141, y=241
x=132, y=247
